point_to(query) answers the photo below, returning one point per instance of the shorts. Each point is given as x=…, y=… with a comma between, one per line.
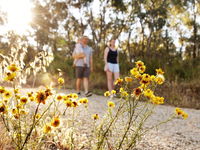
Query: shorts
x=82, y=72
x=113, y=67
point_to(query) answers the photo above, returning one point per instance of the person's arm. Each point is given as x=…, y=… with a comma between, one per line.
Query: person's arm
x=79, y=54
x=117, y=57
x=91, y=63
x=106, y=55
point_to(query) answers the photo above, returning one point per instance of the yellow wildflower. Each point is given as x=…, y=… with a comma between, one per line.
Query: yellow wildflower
x=2, y=90
x=55, y=122
x=32, y=98
x=23, y=100
x=74, y=96
x=121, y=90
x=148, y=93
x=7, y=94
x=111, y=104
x=41, y=97
x=139, y=64
x=185, y=115
x=59, y=97
x=83, y=100
x=180, y=112
x=61, y=81
x=68, y=103
x=142, y=69
x=128, y=79
x=16, y=91
x=3, y=108
x=74, y=104
x=23, y=112
x=157, y=100
x=95, y=116
x=107, y=93
x=137, y=92
x=124, y=94
x=113, y=92
x=152, y=77
x=30, y=94
x=10, y=76
x=146, y=78
x=37, y=116
x=134, y=71
x=48, y=91
x=159, y=71
x=13, y=68
x=47, y=128
x=14, y=111
x=160, y=79
x=118, y=81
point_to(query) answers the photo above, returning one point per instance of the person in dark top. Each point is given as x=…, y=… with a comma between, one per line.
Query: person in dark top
x=111, y=64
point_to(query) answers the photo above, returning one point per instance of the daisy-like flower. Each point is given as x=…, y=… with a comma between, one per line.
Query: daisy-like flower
x=59, y=97
x=181, y=113
x=159, y=71
x=157, y=100
x=47, y=128
x=61, y=81
x=137, y=92
x=107, y=94
x=118, y=81
x=113, y=92
x=74, y=104
x=142, y=69
x=146, y=79
x=10, y=76
x=148, y=93
x=160, y=79
x=7, y=94
x=134, y=71
x=13, y=68
x=2, y=90
x=68, y=103
x=14, y=111
x=95, y=116
x=23, y=112
x=23, y=100
x=30, y=94
x=128, y=79
x=83, y=100
x=74, y=96
x=55, y=122
x=139, y=64
x=41, y=97
x=111, y=104
x=3, y=108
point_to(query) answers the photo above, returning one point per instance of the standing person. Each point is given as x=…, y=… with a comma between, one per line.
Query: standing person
x=111, y=60
x=83, y=72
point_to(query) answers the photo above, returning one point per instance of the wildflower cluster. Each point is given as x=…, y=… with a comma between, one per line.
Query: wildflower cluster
x=137, y=86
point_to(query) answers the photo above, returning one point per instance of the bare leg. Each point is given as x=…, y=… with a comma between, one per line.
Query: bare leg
x=78, y=84
x=116, y=76
x=85, y=84
x=109, y=80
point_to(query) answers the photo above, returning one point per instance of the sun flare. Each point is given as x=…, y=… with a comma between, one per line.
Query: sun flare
x=18, y=13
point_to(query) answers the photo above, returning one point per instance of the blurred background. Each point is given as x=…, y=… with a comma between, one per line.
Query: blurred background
x=163, y=34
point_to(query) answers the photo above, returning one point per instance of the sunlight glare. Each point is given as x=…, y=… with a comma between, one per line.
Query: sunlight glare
x=18, y=14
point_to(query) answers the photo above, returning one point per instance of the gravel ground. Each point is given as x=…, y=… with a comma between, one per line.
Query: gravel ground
x=178, y=134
